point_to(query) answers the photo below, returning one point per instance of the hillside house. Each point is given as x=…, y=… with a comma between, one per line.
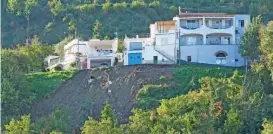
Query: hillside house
x=209, y=38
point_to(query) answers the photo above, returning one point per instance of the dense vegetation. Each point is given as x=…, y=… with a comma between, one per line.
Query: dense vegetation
x=53, y=20
x=185, y=78
x=210, y=100
x=22, y=79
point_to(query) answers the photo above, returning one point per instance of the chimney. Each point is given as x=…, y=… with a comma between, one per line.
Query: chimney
x=179, y=10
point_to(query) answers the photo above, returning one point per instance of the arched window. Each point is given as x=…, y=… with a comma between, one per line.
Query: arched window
x=221, y=57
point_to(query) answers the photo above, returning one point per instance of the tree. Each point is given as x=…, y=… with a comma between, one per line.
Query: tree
x=59, y=48
x=266, y=47
x=107, y=125
x=18, y=126
x=106, y=6
x=23, y=8
x=97, y=30
x=268, y=127
x=120, y=45
x=251, y=40
x=55, y=6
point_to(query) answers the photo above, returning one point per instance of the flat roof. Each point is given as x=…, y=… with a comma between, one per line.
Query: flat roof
x=205, y=15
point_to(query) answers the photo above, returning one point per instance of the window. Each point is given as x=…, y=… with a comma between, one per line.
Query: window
x=242, y=23
x=190, y=21
x=221, y=58
x=189, y=58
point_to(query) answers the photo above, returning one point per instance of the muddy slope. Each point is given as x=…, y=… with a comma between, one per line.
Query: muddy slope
x=88, y=91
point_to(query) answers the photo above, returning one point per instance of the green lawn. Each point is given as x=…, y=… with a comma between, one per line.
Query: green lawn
x=43, y=83
x=185, y=78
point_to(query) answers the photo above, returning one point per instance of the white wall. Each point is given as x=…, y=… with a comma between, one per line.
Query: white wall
x=127, y=46
x=206, y=54
x=148, y=54
x=169, y=45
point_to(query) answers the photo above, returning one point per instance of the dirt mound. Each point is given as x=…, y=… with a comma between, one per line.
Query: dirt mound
x=88, y=91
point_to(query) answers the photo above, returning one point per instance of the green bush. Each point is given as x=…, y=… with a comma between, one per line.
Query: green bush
x=120, y=6
x=162, y=79
x=154, y=4
x=186, y=78
x=58, y=120
x=58, y=68
x=138, y=4
x=73, y=64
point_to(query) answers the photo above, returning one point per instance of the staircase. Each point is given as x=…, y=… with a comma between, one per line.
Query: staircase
x=166, y=55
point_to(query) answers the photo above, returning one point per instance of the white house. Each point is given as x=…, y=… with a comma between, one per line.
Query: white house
x=73, y=48
x=101, y=52
x=142, y=51
x=211, y=38
x=95, y=52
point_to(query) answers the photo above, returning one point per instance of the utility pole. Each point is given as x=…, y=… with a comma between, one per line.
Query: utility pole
x=179, y=52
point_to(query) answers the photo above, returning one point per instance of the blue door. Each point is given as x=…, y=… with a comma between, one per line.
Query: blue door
x=134, y=58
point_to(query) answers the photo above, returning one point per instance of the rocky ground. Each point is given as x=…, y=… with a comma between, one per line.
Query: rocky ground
x=88, y=91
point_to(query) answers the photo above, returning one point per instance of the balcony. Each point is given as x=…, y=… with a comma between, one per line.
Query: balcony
x=191, y=39
x=101, y=53
x=191, y=24
x=219, y=23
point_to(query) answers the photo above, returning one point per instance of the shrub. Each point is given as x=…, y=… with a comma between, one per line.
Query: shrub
x=154, y=4
x=106, y=6
x=73, y=64
x=162, y=79
x=120, y=6
x=116, y=60
x=138, y=4
x=59, y=67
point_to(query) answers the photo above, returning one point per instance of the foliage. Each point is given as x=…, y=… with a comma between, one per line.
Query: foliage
x=251, y=40
x=138, y=4
x=186, y=78
x=82, y=14
x=106, y=6
x=59, y=48
x=97, y=30
x=154, y=4
x=120, y=46
x=58, y=67
x=120, y=6
x=266, y=47
x=73, y=64
x=18, y=126
x=59, y=120
x=107, y=125
x=162, y=79
x=268, y=127
x=42, y=83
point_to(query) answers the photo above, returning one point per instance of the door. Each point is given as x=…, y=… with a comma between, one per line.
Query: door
x=155, y=60
x=134, y=58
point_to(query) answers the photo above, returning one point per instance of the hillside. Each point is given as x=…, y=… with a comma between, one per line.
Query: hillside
x=53, y=20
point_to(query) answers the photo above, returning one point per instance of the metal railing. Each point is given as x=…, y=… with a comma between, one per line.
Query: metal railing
x=157, y=62
x=218, y=26
x=191, y=26
x=181, y=44
x=163, y=53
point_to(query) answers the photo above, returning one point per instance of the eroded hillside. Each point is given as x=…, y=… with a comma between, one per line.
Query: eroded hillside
x=88, y=91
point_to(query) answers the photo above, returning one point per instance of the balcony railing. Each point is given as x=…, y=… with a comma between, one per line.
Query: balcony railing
x=191, y=26
x=218, y=26
x=204, y=44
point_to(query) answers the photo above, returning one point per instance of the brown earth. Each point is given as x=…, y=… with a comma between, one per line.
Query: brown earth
x=85, y=98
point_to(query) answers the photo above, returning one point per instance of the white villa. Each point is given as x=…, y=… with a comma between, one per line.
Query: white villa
x=95, y=52
x=210, y=38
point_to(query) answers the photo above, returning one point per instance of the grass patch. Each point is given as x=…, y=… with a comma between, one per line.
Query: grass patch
x=185, y=78
x=43, y=83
